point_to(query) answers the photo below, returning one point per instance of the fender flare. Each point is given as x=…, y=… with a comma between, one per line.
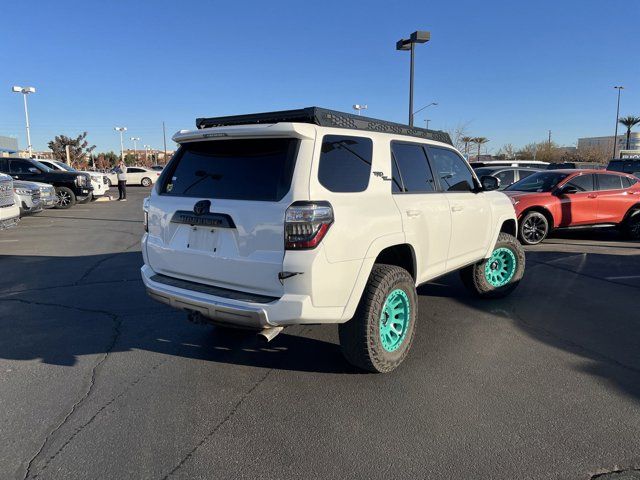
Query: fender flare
x=499, y=223
x=368, y=261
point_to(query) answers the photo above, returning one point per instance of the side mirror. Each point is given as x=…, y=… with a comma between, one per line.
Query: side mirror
x=489, y=183
x=34, y=170
x=567, y=189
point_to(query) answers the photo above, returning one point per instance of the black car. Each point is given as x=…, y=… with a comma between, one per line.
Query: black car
x=625, y=165
x=506, y=175
x=70, y=186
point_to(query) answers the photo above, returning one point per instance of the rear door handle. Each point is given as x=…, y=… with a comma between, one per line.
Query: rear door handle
x=457, y=208
x=593, y=195
x=413, y=213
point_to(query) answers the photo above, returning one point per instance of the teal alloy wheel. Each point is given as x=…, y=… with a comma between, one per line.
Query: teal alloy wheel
x=394, y=320
x=501, y=267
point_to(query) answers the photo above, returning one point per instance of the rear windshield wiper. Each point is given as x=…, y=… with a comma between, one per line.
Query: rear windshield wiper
x=203, y=176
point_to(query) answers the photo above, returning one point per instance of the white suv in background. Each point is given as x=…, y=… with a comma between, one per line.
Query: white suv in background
x=136, y=176
x=99, y=181
x=314, y=216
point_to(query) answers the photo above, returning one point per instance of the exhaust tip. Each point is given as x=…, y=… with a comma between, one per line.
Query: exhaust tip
x=269, y=334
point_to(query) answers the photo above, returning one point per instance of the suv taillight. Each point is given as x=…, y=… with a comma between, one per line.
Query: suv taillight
x=306, y=224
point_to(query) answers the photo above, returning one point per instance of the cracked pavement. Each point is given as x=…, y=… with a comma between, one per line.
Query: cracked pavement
x=98, y=381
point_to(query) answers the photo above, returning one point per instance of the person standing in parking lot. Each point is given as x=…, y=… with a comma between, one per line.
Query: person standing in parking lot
x=122, y=182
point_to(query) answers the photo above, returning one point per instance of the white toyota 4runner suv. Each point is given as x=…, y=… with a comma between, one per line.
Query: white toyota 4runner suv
x=314, y=216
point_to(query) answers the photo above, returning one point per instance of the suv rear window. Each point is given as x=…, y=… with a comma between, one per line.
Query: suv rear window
x=247, y=169
x=345, y=163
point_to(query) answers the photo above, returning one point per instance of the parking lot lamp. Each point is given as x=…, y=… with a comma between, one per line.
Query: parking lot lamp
x=357, y=107
x=121, y=130
x=409, y=44
x=135, y=141
x=26, y=91
x=615, y=135
x=147, y=148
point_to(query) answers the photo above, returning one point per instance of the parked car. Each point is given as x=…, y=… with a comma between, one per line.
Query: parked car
x=625, y=165
x=323, y=218
x=27, y=196
x=9, y=211
x=70, y=186
x=575, y=165
x=556, y=199
x=506, y=175
x=509, y=163
x=99, y=181
x=136, y=176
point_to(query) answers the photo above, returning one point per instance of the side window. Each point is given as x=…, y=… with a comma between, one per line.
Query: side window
x=584, y=183
x=413, y=171
x=134, y=170
x=345, y=163
x=609, y=182
x=4, y=165
x=525, y=173
x=628, y=182
x=20, y=166
x=506, y=177
x=453, y=173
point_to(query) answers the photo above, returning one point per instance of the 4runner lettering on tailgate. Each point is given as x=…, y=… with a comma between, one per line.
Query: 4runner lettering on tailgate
x=321, y=217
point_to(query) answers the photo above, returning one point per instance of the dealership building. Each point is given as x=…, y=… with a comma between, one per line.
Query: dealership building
x=607, y=142
x=8, y=145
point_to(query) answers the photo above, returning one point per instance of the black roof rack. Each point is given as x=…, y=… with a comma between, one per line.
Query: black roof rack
x=325, y=118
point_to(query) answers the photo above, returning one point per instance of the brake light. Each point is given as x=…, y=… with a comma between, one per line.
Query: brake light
x=306, y=224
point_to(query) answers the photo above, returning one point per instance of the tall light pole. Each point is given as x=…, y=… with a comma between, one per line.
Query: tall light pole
x=615, y=135
x=426, y=120
x=135, y=141
x=409, y=44
x=426, y=106
x=146, y=153
x=26, y=91
x=121, y=130
x=357, y=107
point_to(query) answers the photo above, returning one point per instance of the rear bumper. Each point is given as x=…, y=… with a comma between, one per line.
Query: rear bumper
x=231, y=308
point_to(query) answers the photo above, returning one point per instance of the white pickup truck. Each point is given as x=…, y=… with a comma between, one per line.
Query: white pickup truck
x=313, y=216
x=9, y=211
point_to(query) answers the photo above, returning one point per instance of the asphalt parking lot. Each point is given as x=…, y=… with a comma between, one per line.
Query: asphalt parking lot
x=99, y=381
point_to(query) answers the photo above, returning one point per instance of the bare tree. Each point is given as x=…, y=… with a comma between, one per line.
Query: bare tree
x=458, y=135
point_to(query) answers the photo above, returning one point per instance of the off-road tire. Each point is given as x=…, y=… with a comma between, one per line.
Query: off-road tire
x=360, y=337
x=474, y=277
x=68, y=195
x=146, y=182
x=524, y=226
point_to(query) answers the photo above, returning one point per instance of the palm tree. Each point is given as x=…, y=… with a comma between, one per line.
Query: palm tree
x=629, y=121
x=479, y=141
x=467, y=141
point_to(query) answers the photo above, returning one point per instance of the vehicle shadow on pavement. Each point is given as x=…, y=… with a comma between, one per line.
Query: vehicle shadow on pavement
x=587, y=306
x=58, y=309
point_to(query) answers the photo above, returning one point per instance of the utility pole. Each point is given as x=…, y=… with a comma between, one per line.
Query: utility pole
x=164, y=137
x=549, y=139
x=615, y=135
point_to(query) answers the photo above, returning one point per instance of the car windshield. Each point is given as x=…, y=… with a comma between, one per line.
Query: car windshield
x=538, y=182
x=66, y=167
x=485, y=171
x=41, y=166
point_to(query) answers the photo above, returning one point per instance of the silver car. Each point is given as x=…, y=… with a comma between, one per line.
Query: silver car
x=33, y=197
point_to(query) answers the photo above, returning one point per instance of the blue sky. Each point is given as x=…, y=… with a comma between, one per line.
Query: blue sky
x=510, y=70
